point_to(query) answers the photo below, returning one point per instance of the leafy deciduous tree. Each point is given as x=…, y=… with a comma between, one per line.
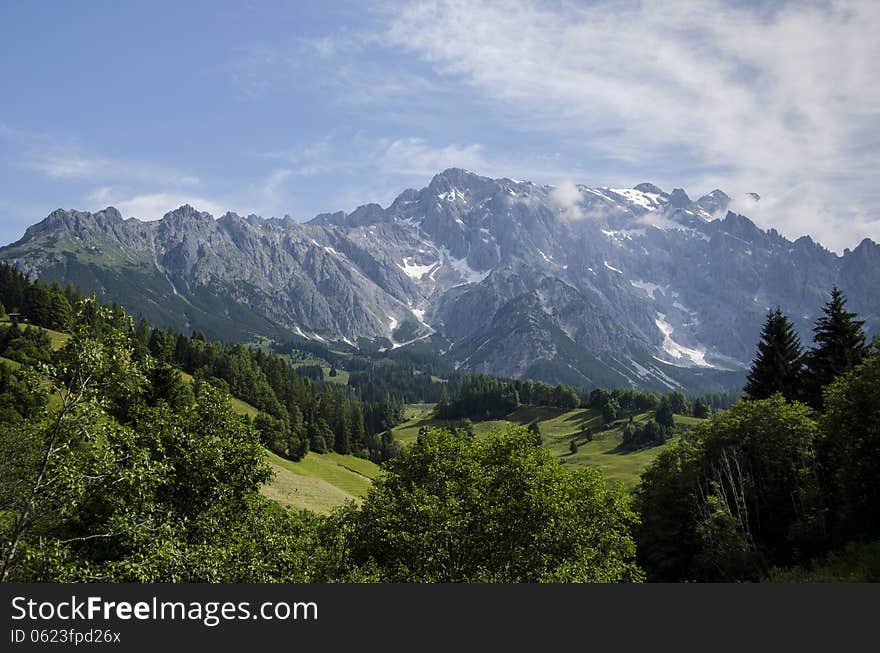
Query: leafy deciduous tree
x=492, y=509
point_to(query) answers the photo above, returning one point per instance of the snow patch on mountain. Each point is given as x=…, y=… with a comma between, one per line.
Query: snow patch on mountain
x=696, y=357
x=649, y=201
x=465, y=271
x=545, y=257
x=612, y=268
x=645, y=374
x=414, y=270
x=469, y=275
x=451, y=195
x=648, y=287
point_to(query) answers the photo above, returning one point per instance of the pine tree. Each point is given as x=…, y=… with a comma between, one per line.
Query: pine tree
x=779, y=361
x=839, y=345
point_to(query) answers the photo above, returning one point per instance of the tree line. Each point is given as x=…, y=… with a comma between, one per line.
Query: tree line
x=488, y=397
x=297, y=413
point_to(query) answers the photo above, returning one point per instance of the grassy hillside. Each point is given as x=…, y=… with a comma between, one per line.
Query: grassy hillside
x=56, y=338
x=341, y=377
x=322, y=482
x=419, y=415
x=318, y=482
x=558, y=429
x=11, y=363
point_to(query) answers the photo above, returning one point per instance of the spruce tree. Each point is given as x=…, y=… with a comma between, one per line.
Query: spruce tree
x=778, y=363
x=839, y=345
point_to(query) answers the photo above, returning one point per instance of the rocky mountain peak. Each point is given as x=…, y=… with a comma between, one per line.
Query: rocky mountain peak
x=679, y=199
x=483, y=272
x=187, y=214
x=456, y=183
x=457, y=177
x=73, y=221
x=715, y=202
x=365, y=215
x=647, y=187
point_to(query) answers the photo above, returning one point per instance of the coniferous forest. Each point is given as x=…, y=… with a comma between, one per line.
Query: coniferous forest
x=123, y=460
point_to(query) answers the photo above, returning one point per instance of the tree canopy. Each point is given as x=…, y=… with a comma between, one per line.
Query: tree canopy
x=740, y=495
x=499, y=508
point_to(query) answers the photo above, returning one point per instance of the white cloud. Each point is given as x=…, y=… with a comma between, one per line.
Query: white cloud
x=71, y=163
x=736, y=96
x=387, y=162
x=567, y=196
x=275, y=182
x=152, y=206
x=414, y=156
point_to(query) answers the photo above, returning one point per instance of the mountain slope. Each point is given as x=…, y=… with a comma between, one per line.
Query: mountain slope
x=619, y=287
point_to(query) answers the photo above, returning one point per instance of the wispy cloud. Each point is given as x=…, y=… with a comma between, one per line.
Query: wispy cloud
x=73, y=163
x=275, y=181
x=152, y=206
x=414, y=156
x=568, y=197
x=764, y=99
x=409, y=157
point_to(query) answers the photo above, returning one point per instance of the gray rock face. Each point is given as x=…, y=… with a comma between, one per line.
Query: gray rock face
x=715, y=202
x=632, y=287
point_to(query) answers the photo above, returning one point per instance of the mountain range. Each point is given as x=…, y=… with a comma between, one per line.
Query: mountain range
x=633, y=287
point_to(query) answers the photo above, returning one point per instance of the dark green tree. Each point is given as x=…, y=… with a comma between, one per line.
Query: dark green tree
x=664, y=414
x=839, y=345
x=778, y=362
x=610, y=410
x=166, y=384
x=678, y=403
x=851, y=449
x=648, y=434
x=741, y=494
x=492, y=509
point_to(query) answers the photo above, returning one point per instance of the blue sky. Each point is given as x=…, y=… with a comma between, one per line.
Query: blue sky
x=296, y=108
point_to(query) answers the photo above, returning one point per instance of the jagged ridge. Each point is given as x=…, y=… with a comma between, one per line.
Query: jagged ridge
x=624, y=286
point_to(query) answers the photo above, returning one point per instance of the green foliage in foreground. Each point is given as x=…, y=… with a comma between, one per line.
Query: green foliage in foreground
x=850, y=451
x=500, y=509
x=858, y=562
x=742, y=494
x=134, y=477
x=769, y=485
